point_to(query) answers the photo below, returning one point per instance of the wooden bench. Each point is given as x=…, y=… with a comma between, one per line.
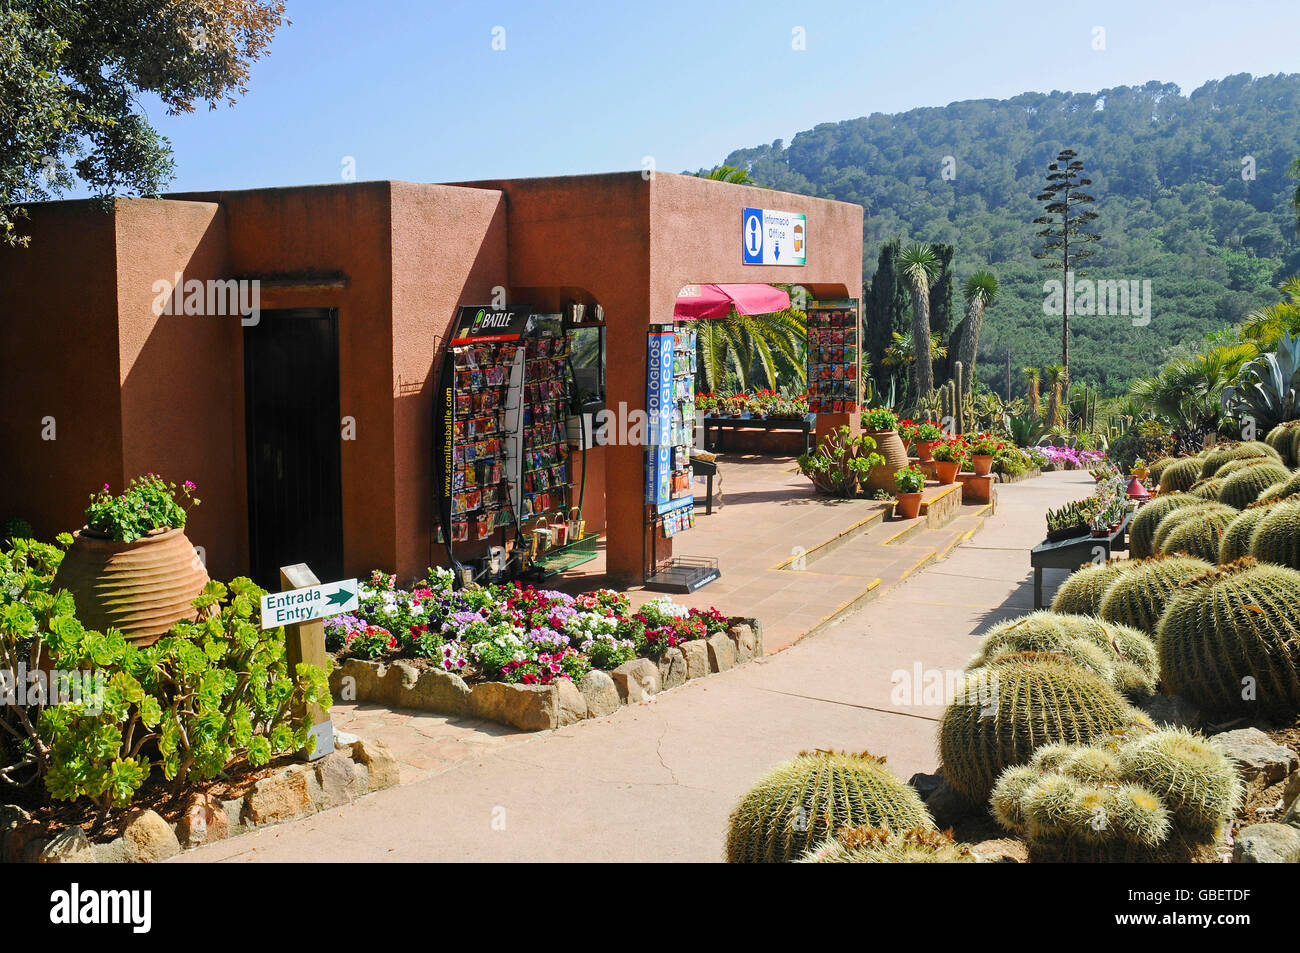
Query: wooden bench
x=807, y=424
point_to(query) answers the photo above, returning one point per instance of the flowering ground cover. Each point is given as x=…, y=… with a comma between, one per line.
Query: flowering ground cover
x=511, y=633
x=1068, y=458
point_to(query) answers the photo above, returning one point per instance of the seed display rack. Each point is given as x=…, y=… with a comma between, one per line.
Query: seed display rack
x=480, y=500
x=501, y=456
x=834, y=341
x=670, y=502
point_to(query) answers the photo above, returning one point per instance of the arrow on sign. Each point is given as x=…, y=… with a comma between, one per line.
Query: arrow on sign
x=338, y=597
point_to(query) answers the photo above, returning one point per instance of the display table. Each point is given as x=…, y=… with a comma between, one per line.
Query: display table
x=807, y=424
x=1073, y=553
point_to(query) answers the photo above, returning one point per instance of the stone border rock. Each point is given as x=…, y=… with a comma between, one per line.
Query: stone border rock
x=401, y=684
x=357, y=767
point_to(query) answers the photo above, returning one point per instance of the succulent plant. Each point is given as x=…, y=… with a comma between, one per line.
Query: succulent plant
x=1282, y=439
x=1242, y=451
x=1236, y=466
x=1081, y=593
x=1268, y=388
x=801, y=803
x=1138, y=597
x=880, y=845
x=1244, y=487
x=1179, y=516
x=1142, y=795
x=1206, y=488
x=1276, y=538
x=1142, y=530
x=1237, y=537
x=1280, y=491
x=1004, y=711
x=1198, y=784
x=1121, y=656
x=1181, y=474
x=1229, y=640
x=1201, y=535
x=1158, y=466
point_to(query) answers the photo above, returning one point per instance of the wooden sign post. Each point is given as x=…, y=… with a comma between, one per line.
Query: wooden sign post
x=305, y=642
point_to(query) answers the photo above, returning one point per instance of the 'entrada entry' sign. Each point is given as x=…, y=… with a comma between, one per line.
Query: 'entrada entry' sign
x=312, y=602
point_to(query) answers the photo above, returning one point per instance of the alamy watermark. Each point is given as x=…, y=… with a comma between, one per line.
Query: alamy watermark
x=25, y=688
x=1088, y=296
x=215, y=297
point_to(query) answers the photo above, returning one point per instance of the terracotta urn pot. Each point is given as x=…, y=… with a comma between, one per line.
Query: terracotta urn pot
x=947, y=470
x=142, y=588
x=909, y=505
x=983, y=463
x=923, y=448
x=890, y=446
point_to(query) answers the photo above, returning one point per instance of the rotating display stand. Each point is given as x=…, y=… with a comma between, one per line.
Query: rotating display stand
x=670, y=495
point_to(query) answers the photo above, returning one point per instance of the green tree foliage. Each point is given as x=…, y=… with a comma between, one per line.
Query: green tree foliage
x=1167, y=169
x=72, y=73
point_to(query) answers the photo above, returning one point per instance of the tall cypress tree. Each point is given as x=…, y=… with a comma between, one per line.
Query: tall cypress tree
x=885, y=311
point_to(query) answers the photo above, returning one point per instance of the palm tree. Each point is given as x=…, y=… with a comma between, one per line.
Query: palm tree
x=1265, y=326
x=919, y=266
x=1055, y=374
x=726, y=173
x=750, y=343
x=1032, y=378
x=981, y=292
x=1187, y=391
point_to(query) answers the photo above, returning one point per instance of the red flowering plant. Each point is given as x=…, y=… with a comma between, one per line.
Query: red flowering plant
x=953, y=450
x=984, y=444
x=547, y=667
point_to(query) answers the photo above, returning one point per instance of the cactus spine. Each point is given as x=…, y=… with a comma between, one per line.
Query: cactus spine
x=1121, y=656
x=1201, y=535
x=1281, y=491
x=1183, y=514
x=880, y=845
x=1138, y=597
x=1005, y=710
x=1229, y=640
x=1181, y=474
x=1240, y=532
x=1081, y=593
x=1244, y=487
x=803, y=802
x=1142, y=531
x=1276, y=538
x=1242, y=451
x=1158, y=795
x=1207, y=488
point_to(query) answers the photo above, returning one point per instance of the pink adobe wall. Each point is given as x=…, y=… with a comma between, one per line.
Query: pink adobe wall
x=448, y=248
x=296, y=235
x=59, y=325
x=181, y=374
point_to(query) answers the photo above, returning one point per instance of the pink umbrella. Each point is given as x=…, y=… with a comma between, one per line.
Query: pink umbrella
x=697, y=302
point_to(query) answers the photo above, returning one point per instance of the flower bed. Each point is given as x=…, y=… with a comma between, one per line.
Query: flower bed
x=528, y=657
x=761, y=403
x=1068, y=458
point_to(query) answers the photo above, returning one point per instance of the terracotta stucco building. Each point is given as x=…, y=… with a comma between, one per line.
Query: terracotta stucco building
x=97, y=387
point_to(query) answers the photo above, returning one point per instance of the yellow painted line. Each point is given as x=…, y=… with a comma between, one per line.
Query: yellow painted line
x=843, y=606
x=902, y=532
x=925, y=559
x=878, y=514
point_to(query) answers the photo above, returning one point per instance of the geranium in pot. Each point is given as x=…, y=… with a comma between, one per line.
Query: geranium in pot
x=925, y=437
x=882, y=424
x=983, y=448
x=131, y=567
x=909, y=482
x=949, y=455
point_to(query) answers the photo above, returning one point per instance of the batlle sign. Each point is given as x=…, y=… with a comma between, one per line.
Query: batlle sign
x=478, y=325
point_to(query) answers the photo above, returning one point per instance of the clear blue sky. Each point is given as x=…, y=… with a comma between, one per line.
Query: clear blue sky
x=414, y=90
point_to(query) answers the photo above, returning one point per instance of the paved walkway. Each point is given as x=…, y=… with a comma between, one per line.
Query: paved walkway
x=656, y=782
